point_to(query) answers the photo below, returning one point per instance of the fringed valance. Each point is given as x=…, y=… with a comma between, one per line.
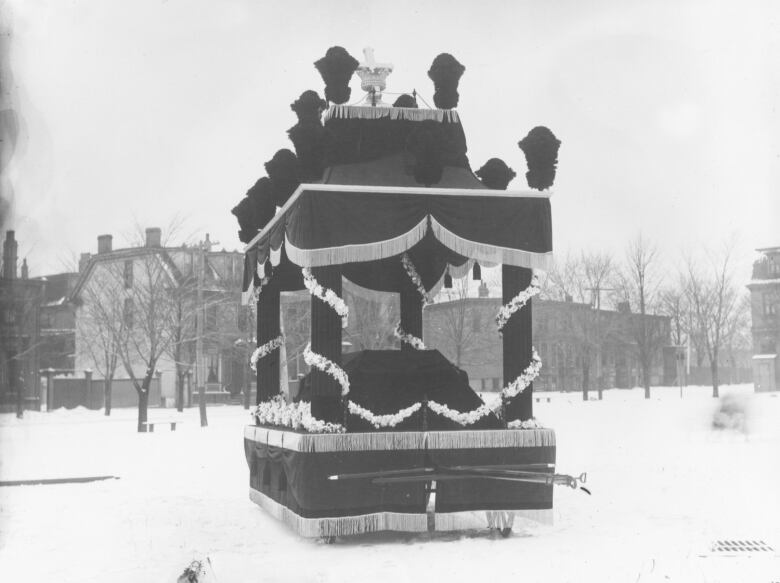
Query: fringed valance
x=394, y=113
x=325, y=224
x=388, y=521
x=400, y=440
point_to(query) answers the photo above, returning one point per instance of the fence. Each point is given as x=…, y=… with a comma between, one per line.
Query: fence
x=90, y=393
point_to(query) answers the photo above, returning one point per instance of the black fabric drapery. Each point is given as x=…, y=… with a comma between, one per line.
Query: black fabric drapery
x=386, y=381
x=367, y=231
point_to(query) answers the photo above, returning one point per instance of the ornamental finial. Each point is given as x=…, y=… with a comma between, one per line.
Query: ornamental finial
x=373, y=77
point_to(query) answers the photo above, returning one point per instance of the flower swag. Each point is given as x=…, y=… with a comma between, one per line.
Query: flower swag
x=410, y=339
x=416, y=279
x=325, y=294
x=465, y=418
x=522, y=382
x=517, y=302
x=265, y=350
x=278, y=412
x=378, y=421
x=327, y=366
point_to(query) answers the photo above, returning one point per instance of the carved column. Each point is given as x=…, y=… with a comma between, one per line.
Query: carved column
x=411, y=313
x=268, y=320
x=517, y=341
x=326, y=340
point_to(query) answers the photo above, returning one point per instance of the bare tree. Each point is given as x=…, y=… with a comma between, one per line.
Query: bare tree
x=452, y=327
x=96, y=323
x=714, y=296
x=371, y=320
x=639, y=284
x=582, y=279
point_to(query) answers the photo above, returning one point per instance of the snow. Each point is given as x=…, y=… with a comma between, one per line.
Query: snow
x=665, y=486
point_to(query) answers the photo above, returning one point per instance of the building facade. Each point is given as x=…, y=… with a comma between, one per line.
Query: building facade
x=765, y=315
x=20, y=342
x=574, y=341
x=179, y=304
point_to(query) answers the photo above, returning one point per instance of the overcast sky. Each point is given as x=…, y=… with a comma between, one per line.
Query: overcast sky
x=134, y=112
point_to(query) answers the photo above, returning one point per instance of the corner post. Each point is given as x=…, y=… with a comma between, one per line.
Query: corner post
x=268, y=328
x=326, y=403
x=517, y=342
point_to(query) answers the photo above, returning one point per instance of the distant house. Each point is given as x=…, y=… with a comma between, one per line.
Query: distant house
x=464, y=330
x=58, y=323
x=765, y=314
x=20, y=309
x=120, y=280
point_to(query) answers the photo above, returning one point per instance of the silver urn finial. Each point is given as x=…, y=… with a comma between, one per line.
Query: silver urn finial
x=373, y=77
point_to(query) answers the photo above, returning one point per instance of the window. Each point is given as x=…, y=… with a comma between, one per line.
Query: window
x=128, y=274
x=127, y=314
x=770, y=309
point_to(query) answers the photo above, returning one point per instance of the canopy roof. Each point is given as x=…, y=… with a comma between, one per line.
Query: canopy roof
x=352, y=225
x=398, y=180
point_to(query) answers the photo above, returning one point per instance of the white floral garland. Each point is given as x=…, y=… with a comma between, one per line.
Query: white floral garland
x=390, y=420
x=517, y=302
x=416, y=280
x=522, y=382
x=327, y=366
x=265, y=350
x=467, y=418
x=327, y=295
x=411, y=339
x=278, y=412
x=527, y=424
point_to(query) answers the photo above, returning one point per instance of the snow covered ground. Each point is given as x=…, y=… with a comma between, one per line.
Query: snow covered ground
x=665, y=487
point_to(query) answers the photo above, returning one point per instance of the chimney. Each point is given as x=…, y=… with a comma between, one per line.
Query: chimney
x=83, y=261
x=9, y=256
x=104, y=244
x=567, y=298
x=25, y=270
x=154, y=237
x=483, y=289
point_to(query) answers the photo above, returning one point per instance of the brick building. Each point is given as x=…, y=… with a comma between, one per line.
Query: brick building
x=565, y=335
x=765, y=315
x=20, y=311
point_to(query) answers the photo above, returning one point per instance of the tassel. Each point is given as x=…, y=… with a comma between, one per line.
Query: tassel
x=448, y=280
x=268, y=268
x=477, y=275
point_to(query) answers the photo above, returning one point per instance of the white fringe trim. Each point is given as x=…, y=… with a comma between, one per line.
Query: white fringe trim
x=492, y=253
x=394, y=521
x=341, y=525
x=495, y=438
x=407, y=113
x=401, y=440
x=357, y=253
x=476, y=519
